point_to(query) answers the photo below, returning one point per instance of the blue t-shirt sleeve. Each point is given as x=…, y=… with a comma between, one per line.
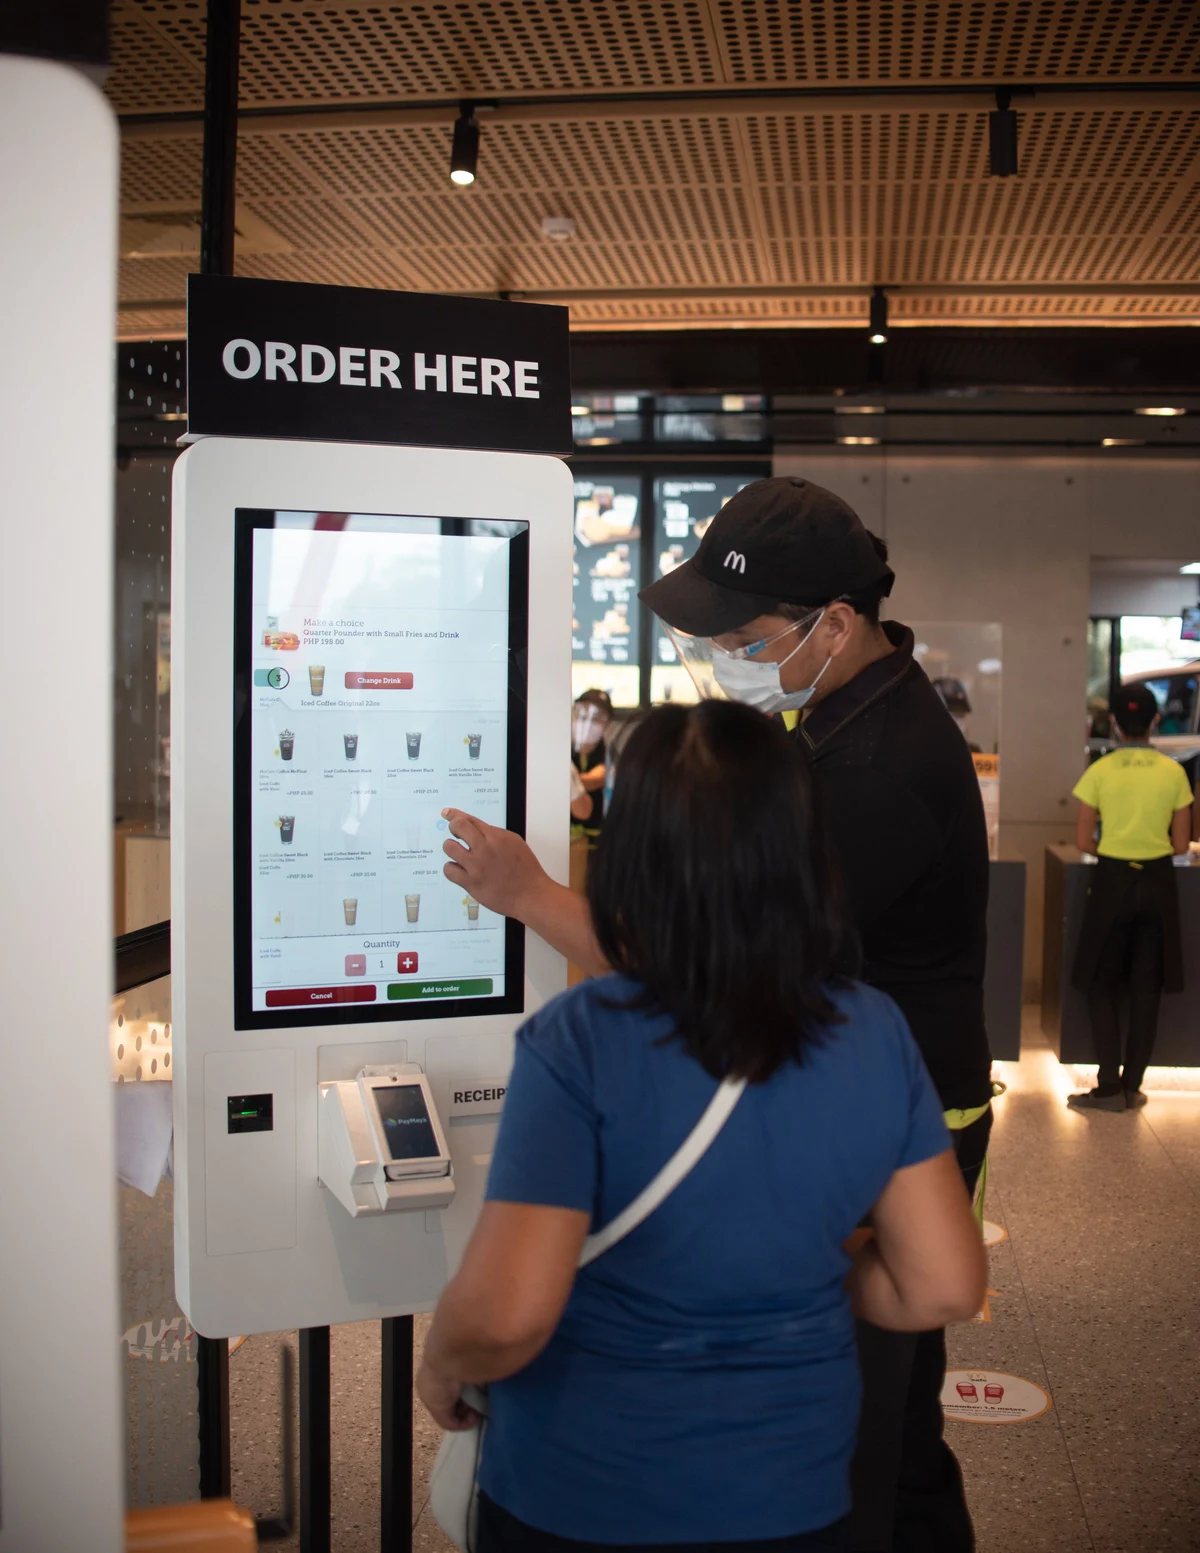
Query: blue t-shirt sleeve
x=927, y=1133
x=547, y=1150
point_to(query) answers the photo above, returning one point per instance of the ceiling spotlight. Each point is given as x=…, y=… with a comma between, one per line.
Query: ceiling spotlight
x=1002, y=137
x=1121, y=442
x=858, y=409
x=1160, y=409
x=859, y=442
x=464, y=153
x=879, y=316
x=1192, y=569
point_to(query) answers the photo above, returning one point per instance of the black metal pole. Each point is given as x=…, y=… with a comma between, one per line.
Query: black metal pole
x=315, y=1452
x=219, y=177
x=212, y=1363
x=396, y=1437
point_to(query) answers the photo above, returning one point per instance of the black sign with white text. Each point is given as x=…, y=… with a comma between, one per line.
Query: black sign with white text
x=273, y=358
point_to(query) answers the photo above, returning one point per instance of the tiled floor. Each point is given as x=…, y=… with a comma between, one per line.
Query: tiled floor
x=1096, y=1301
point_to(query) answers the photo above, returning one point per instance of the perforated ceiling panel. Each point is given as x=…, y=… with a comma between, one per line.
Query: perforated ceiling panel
x=755, y=211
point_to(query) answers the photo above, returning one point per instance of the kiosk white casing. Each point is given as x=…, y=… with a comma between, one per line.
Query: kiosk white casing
x=260, y=1244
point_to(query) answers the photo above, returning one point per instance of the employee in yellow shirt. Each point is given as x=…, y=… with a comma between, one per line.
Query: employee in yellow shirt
x=1141, y=800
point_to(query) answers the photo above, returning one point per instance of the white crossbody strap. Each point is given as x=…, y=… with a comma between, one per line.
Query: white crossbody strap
x=689, y=1154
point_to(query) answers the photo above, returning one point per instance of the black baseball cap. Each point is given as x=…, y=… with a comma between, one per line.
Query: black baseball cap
x=779, y=540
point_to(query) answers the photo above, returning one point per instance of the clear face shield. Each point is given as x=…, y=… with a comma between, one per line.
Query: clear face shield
x=588, y=725
x=720, y=673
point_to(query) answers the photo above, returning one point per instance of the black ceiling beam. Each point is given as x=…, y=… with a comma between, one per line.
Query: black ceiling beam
x=917, y=360
x=1025, y=94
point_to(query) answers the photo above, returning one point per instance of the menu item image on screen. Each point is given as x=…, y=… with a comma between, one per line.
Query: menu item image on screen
x=404, y=696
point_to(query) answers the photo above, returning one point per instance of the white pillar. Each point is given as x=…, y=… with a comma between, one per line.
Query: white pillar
x=61, y=1477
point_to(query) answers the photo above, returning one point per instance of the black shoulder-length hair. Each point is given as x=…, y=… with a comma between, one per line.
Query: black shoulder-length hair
x=711, y=887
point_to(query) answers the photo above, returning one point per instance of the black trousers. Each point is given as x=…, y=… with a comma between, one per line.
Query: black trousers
x=500, y=1532
x=907, y=1485
x=1132, y=956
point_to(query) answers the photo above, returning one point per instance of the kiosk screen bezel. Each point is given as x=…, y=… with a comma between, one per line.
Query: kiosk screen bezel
x=247, y=520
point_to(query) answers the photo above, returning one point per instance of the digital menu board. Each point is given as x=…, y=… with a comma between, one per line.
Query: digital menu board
x=604, y=627
x=684, y=506
x=379, y=678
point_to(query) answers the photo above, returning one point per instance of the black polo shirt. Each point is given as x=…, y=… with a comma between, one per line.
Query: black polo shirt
x=901, y=804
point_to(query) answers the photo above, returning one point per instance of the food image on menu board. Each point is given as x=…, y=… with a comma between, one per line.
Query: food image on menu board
x=613, y=563
x=604, y=625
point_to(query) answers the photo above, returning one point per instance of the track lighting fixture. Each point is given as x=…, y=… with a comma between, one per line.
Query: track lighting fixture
x=464, y=153
x=879, y=316
x=1002, y=137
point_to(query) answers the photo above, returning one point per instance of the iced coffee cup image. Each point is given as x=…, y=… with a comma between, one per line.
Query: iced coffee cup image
x=287, y=827
x=350, y=910
x=350, y=741
x=472, y=908
x=287, y=743
x=413, y=745
x=412, y=907
x=473, y=741
x=316, y=678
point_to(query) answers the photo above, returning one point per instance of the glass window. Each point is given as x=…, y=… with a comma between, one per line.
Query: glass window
x=608, y=560
x=684, y=506
x=1153, y=642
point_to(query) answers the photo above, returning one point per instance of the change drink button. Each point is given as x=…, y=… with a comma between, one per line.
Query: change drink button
x=376, y=679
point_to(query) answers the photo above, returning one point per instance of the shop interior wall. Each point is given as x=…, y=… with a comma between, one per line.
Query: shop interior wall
x=1009, y=537
x=1134, y=593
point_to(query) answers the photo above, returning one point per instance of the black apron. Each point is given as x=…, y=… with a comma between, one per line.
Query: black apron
x=1113, y=880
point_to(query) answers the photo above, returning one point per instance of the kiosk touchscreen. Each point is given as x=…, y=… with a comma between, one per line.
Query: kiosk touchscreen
x=365, y=636
x=382, y=670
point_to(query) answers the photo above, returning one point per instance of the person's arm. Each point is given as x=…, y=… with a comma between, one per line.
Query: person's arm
x=503, y=1305
x=592, y=779
x=1181, y=830
x=1085, y=828
x=501, y=872
x=581, y=807
x=925, y=1266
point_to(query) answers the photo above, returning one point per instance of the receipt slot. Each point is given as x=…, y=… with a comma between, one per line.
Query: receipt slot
x=381, y=1144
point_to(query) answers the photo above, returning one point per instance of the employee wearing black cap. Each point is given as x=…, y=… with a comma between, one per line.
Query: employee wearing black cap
x=786, y=585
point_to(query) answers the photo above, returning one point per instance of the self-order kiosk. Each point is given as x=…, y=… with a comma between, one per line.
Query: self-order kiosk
x=365, y=635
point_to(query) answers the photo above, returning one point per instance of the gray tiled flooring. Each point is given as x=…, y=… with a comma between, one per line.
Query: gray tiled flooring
x=1096, y=1302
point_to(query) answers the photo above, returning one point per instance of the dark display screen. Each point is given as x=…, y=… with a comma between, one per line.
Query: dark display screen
x=406, y=1125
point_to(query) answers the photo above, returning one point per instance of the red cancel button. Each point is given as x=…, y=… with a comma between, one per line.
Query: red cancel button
x=361, y=680
x=309, y=997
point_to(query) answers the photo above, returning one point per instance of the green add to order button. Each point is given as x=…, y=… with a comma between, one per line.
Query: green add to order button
x=477, y=988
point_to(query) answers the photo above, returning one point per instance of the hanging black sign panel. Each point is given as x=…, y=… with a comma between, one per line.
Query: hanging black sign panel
x=273, y=358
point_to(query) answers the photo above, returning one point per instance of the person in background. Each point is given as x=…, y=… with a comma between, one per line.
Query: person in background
x=1130, y=939
x=696, y=1387
x=787, y=585
x=590, y=718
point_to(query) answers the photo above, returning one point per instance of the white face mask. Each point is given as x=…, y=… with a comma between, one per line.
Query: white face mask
x=758, y=684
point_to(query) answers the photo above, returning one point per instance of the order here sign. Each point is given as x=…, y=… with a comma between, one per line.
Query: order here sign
x=347, y=364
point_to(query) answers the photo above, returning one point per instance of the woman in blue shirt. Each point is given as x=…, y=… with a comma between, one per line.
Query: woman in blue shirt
x=697, y=1385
